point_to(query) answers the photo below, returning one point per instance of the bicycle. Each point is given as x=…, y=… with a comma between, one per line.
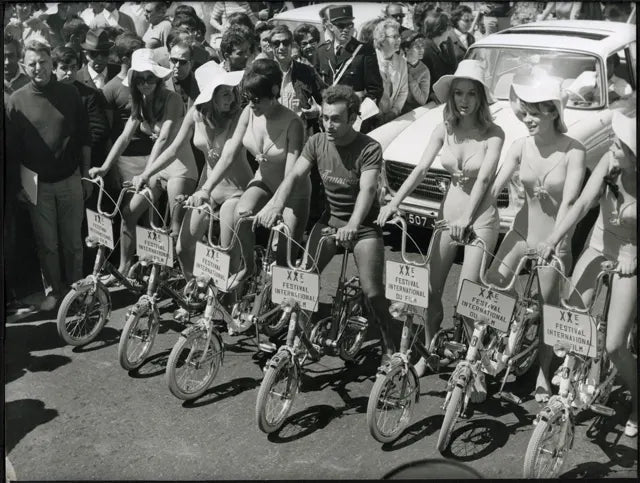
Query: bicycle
x=397, y=386
x=505, y=337
x=198, y=353
x=86, y=308
x=585, y=380
x=155, y=248
x=297, y=289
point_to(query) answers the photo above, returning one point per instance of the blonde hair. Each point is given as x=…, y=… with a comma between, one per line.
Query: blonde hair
x=483, y=113
x=543, y=107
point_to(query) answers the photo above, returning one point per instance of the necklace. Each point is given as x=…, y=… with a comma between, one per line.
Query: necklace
x=214, y=152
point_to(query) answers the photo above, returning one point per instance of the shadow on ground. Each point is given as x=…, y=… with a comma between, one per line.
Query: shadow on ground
x=21, y=417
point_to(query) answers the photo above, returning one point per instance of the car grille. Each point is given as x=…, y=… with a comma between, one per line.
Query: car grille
x=432, y=187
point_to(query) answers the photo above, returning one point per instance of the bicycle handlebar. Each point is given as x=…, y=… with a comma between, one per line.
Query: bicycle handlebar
x=281, y=226
x=607, y=268
x=98, y=180
x=398, y=219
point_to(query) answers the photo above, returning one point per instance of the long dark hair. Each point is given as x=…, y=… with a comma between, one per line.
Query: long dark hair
x=157, y=106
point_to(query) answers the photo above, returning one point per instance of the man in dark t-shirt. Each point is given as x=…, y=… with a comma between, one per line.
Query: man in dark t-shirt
x=349, y=163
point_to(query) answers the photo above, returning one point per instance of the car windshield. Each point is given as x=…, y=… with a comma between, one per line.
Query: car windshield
x=580, y=73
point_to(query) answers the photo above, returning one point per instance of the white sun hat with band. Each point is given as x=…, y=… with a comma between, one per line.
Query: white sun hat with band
x=467, y=69
x=143, y=60
x=625, y=129
x=541, y=89
x=210, y=76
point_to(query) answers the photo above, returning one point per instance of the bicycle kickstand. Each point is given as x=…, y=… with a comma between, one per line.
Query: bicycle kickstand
x=508, y=396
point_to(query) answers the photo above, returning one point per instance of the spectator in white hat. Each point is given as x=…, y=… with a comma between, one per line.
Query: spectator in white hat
x=614, y=238
x=551, y=167
x=156, y=115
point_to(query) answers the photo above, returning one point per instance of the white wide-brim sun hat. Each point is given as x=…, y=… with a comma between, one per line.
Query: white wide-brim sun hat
x=210, y=76
x=543, y=89
x=467, y=69
x=625, y=129
x=143, y=60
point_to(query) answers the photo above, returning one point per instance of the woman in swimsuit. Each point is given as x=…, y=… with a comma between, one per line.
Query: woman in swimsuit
x=156, y=113
x=551, y=168
x=210, y=122
x=469, y=144
x=614, y=238
x=274, y=135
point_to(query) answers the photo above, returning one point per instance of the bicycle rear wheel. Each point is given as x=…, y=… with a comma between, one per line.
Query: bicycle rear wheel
x=193, y=364
x=277, y=393
x=546, y=453
x=83, y=314
x=391, y=403
x=138, y=336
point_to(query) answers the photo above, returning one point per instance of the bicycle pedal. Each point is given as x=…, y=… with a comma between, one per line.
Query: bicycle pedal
x=269, y=347
x=433, y=363
x=358, y=322
x=509, y=397
x=602, y=410
x=455, y=346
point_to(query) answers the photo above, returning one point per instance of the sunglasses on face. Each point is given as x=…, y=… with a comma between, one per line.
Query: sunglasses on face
x=148, y=79
x=397, y=15
x=248, y=98
x=343, y=26
x=181, y=62
x=277, y=43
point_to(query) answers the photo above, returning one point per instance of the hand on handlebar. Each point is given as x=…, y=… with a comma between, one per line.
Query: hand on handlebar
x=97, y=171
x=139, y=181
x=459, y=230
x=627, y=265
x=197, y=198
x=386, y=212
x=347, y=233
x=268, y=216
x=546, y=250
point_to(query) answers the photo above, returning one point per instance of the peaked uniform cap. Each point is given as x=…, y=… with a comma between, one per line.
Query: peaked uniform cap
x=340, y=12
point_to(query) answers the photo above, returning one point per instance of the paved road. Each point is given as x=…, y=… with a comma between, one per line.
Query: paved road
x=75, y=414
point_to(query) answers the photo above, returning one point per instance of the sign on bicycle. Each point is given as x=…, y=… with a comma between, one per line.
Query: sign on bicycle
x=407, y=283
x=154, y=245
x=212, y=263
x=303, y=287
x=100, y=228
x=568, y=327
x=479, y=302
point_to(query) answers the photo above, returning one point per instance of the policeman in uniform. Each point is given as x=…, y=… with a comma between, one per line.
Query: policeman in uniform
x=362, y=74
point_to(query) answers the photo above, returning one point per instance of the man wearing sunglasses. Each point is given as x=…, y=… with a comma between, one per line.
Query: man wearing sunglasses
x=335, y=60
x=394, y=12
x=181, y=65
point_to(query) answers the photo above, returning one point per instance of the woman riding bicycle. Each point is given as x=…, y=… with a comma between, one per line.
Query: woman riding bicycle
x=210, y=122
x=551, y=167
x=274, y=135
x=469, y=144
x=156, y=114
x=614, y=238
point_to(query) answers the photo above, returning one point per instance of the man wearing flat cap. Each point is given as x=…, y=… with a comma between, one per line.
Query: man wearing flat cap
x=96, y=72
x=335, y=60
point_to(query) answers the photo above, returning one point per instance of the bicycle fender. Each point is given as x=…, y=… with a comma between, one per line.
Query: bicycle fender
x=85, y=284
x=278, y=358
x=198, y=326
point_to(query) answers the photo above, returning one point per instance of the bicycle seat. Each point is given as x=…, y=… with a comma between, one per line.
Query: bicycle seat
x=328, y=231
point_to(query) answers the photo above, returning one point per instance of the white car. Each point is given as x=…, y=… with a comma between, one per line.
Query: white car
x=362, y=13
x=576, y=51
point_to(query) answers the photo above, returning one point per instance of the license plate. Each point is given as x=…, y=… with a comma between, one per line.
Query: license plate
x=154, y=246
x=213, y=264
x=481, y=303
x=573, y=328
x=302, y=287
x=100, y=228
x=419, y=220
x=407, y=283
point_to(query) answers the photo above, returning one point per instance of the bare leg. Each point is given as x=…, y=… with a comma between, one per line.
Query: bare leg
x=175, y=187
x=295, y=216
x=137, y=206
x=194, y=225
x=251, y=201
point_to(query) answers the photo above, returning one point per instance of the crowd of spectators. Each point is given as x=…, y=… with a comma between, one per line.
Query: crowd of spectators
x=77, y=55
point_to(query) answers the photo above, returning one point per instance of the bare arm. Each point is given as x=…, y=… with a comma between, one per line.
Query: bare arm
x=573, y=182
x=295, y=137
x=483, y=181
x=575, y=11
x=416, y=176
x=511, y=163
x=118, y=148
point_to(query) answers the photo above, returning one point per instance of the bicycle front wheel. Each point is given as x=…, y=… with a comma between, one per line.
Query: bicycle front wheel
x=391, y=403
x=454, y=408
x=547, y=449
x=276, y=395
x=193, y=364
x=138, y=336
x=82, y=315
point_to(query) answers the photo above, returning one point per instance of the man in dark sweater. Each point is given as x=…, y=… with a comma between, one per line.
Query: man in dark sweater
x=50, y=137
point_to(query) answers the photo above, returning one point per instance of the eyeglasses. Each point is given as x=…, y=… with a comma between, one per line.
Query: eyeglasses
x=148, y=79
x=254, y=100
x=397, y=15
x=343, y=26
x=277, y=43
x=310, y=42
x=175, y=60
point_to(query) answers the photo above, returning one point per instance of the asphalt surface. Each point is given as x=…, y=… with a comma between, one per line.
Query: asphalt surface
x=74, y=413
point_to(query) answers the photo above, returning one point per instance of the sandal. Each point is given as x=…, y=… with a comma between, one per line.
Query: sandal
x=541, y=395
x=631, y=429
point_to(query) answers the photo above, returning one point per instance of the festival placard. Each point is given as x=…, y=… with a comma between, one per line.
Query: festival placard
x=481, y=303
x=100, y=228
x=155, y=246
x=303, y=287
x=212, y=263
x=407, y=283
x=576, y=329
